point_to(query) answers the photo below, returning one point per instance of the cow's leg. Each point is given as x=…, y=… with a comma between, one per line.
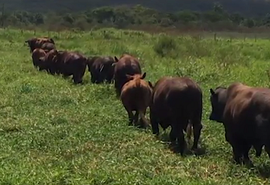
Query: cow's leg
x=77, y=79
x=154, y=122
x=236, y=148
x=78, y=76
x=237, y=154
x=177, y=132
x=172, y=136
x=65, y=76
x=181, y=142
x=136, y=117
x=130, y=115
x=258, y=148
x=93, y=77
x=144, y=122
x=239, y=149
x=117, y=88
x=267, y=149
x=245, y=150
x=197, y=127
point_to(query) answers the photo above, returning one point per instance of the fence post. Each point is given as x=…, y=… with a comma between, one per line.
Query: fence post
x=215, y=36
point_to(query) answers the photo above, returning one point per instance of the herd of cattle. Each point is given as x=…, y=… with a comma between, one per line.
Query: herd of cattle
x=173, y=101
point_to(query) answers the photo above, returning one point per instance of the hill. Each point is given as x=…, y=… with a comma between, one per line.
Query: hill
x=246, y=7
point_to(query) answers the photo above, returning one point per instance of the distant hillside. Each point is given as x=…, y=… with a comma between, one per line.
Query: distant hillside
x=246, y=7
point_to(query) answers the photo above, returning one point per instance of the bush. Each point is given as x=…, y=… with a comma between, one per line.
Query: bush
x=166, y=47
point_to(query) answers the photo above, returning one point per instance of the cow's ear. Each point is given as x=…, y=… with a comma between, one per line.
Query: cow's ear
x=116, y=59
x=212, y=92
x=52, y=41
x=150, y=84
x=143, y=75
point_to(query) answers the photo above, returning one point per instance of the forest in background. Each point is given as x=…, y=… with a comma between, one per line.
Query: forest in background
x=209, y=15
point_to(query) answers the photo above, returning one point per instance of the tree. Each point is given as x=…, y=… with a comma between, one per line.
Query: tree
x=39, y=18
x=218, y=8
x=103, y=14
x=236, y=18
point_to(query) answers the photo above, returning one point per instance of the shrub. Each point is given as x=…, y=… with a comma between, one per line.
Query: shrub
x=166, y=47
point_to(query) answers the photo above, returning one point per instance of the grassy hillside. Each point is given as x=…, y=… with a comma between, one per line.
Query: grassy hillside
x=54, y=132
x=247, y=7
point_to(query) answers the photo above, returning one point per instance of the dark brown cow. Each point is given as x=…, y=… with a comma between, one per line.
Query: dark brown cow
x=48, y=46
x=244, y=112
x=50, y=61
x=126, y=65
x=177, y=102
x=136, y=96
x=101, y=69
x=37, y=56
x=34, y=43
x=71, y=63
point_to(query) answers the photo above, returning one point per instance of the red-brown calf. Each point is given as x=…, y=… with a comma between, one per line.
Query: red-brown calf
x=136, y=96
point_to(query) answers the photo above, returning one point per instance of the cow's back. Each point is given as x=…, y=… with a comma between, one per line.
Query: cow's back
x=126, y=65
x=137, y=93
x=177, y=97
x=38, y=52
x=238, y=107
x=71, y=62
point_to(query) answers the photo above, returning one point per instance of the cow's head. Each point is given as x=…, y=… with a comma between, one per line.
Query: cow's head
x=218, y=98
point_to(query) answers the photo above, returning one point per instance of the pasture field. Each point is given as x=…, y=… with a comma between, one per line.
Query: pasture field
x=54, y=132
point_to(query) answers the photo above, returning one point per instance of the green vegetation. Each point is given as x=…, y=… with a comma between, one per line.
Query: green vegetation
x=216, y=17
x=54, y=132
x=258, y=7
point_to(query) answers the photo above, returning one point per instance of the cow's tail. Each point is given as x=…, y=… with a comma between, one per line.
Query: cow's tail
x=189, y=130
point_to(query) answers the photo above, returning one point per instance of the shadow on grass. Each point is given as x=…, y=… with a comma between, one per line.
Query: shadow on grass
x=164, y=137
x=263, y=170
x=10, y=128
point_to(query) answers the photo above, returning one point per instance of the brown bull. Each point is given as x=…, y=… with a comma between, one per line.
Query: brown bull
x=101, y=69
x=244, y=112
x=37, y=57
x=126, y=65
x=71, y=63
x=40, y=42
x=136, y=96
x=50, y=61
x=177, y=102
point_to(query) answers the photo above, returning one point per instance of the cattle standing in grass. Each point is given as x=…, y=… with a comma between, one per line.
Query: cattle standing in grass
x=101, y=69
x=126, y=65
x=40, y=43
x=136, y=96
x=37, y=56
x=244, y=112
x=177, y=102
x=52, y=64
x=71, y=63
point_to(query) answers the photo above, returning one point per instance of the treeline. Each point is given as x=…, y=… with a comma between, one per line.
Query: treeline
x=217, y=18
x=245, y=7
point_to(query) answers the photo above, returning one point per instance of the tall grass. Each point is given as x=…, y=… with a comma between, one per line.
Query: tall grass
x=54, y=132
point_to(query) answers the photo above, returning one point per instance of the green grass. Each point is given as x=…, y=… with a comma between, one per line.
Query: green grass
x=54, y=132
